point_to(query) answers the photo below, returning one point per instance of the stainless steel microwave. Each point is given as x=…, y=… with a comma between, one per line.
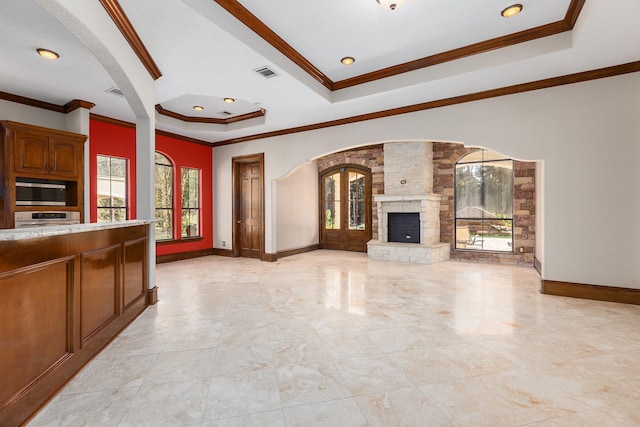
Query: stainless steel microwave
x=31, y=192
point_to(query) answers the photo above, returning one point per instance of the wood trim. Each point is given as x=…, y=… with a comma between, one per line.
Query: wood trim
x=584, y=76
x=152, y=296
x=222, y=252
x=267, y=34
x=111, y=121
x=573, y=12
x=160, y=259
x=211, y=120
x=269, y=257
x=31, y=102
x=262, y=30
x=454, y=54
x=537, y=265
x=291, y=252
x=77, y=103
x=593, y=292
x=158, y=132
x=260, y=113
x=251, y=158
x=121, y=20
x=182, y=138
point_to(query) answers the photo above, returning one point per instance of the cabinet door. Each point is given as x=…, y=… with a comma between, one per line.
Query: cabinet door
x=31, y=153
x=65, y=157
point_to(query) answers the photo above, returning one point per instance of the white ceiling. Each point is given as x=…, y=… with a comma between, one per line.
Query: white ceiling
x=205, y=54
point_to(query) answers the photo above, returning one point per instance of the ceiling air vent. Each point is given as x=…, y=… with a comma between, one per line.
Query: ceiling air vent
x=225, y=113
x=115, y=91
x=266, y=72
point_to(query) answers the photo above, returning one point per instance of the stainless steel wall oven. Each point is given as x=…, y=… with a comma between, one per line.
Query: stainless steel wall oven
x=26, y=219
x=40, y=192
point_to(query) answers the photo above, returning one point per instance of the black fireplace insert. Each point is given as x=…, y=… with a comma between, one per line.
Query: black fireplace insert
x=403, y=227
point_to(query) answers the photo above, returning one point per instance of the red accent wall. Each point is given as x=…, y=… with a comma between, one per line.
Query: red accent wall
x=119, y=141
x=108, y=139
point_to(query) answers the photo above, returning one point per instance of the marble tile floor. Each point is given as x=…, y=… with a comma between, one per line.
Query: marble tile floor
x=332, y=338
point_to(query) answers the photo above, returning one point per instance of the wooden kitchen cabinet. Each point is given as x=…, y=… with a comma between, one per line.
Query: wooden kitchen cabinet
x=41, y=152
x=64, y=297
x=36, y=153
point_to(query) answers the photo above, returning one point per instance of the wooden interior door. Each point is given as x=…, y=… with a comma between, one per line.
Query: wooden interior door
x=249, y=207
x=345, y=208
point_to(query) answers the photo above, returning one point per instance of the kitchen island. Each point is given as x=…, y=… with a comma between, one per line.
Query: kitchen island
x=65, y=293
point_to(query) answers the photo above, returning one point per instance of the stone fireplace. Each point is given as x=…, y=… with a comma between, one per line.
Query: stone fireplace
x=408, y=183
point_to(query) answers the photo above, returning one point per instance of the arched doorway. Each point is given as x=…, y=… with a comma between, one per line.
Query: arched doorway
x=345, y=208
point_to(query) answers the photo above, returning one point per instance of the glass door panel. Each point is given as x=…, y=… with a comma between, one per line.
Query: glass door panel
x=346, y=209
x=332, y=202
x=357, y=214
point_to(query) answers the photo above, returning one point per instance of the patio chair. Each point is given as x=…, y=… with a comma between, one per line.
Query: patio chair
x=464, y=237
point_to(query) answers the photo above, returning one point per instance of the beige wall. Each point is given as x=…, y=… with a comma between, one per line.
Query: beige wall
x=587, y=134
x=297, y=208
x=32, y=116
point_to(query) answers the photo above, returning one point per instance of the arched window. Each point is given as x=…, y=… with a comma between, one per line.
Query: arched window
x=164, y=197
x=484, y=202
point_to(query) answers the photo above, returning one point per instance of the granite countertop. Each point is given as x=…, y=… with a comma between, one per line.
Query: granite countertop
x=56, y=230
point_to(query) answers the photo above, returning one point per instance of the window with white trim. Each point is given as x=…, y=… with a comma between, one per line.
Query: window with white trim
x=112, y=189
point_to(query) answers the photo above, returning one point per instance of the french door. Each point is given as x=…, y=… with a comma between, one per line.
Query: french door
x=345, y=208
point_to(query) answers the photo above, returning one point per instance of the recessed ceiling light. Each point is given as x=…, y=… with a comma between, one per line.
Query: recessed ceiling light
x=229, y=100
x=48, y=54
x=512, y=10
x=198, y=107
x=348, y=60
x=390, y=4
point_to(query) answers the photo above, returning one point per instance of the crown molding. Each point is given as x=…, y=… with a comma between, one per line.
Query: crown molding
x=182, y=138
x=121, y=20
x=211, y=120
x=616, y=70
x=260, y=28
x=66, y=108
x=77, y=103
x=454, y=54
x=573, y=12
x=130, y=125
x=32, y=102
x=111, y=121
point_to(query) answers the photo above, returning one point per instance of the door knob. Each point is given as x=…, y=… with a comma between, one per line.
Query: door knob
x=239, y=221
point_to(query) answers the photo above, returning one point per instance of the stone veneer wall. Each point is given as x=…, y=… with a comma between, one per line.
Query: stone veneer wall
x=444, y=158
x=408, y=168
x=371, y=157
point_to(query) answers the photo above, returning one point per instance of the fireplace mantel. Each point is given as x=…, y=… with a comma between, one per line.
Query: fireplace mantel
x=406, y=197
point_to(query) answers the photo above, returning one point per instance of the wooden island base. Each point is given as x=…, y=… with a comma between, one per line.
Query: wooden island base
x=63, y=298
